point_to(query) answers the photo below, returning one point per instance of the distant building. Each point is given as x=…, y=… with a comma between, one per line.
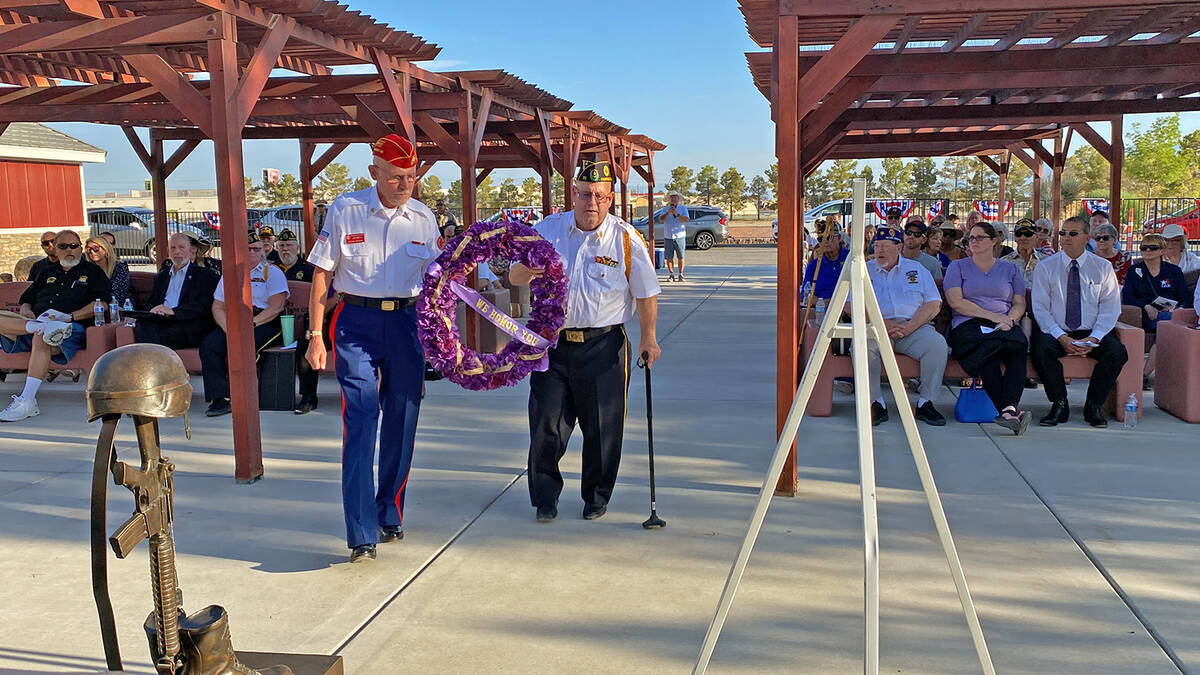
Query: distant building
x=177, y=200
x=41, y=187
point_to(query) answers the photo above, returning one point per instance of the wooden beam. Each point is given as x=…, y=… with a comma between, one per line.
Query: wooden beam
x=479, y=122
x=991, y=163
x=439, y=135
x=1028, y=24
x=817, y=121
x=327, y=157
x=1154, y=16
x=523, y=150
x=107, y=34
x=1175, y=34
x=1034, y=164
x=818, y=9
x=88, y=8
x=1040, y=150
x=259, y=69
x=367, y=118
x=1079, y=28
x=1094, y=139
x=176, y=87
x=841, y=59
x=139, y=149
x=181, y=153
x=399, y=98
x=1116, y=163
x=788, y=146
x=906, y=32
x=964, y=33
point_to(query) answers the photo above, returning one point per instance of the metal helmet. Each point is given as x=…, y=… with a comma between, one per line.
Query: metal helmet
x=139, y=379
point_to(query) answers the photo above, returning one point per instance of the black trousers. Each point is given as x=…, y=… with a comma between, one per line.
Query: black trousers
x=587, y=382
x=214, y=357
x=174, y=334
x=1110, y=356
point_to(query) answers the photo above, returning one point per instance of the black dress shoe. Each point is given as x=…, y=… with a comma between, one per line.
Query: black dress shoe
x=219, y=407
x=928, y=414
x=593, y=512
x=390, y=533
x=361, y=553
x=1093, y=414
x=879, y=413
x=306, y=405
x=547, y=514
x=1060, y=412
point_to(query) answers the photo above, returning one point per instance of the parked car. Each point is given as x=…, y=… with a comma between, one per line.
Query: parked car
x=1187, y=217
x=707, y=226
x=133, y=228
x=843, y=208
x=289, y=217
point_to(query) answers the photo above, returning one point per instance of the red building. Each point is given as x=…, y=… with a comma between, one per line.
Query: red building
x=41, y=187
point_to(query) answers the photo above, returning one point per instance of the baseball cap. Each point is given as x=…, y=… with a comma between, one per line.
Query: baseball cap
x=893, y=211
x=1171, y=231
x=888, y=234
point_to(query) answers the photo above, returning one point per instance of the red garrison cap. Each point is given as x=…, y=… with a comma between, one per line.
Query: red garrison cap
x=397, y=150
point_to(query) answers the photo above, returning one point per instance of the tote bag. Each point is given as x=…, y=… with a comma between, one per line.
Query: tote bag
x=974, y=406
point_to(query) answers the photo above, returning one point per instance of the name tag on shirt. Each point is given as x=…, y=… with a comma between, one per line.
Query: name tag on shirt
x=357, y=238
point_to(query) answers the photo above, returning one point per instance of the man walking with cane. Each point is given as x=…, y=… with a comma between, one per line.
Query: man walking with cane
x=376, y=244
x=610, y=274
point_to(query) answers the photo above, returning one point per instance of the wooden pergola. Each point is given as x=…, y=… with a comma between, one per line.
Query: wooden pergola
x=860, y=79
x=137, y=63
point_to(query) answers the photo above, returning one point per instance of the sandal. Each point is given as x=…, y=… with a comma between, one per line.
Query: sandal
x=1017, y=424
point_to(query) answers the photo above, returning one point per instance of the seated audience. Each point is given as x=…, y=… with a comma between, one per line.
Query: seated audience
x=988, y=299
x=999, y=247
x=183, y=296
x=1045, y=236
x=266, y=234
x=50, y=324
x=269, y=291
x=110, y=238
x=914, y=246
x=296, y=268
x=1076, y=303
x=1026, y=256
x=933, y=243
x=1150, y=285
x=1105, y=237
x=47, y=241
x=100, y=252
x=908, y=299
x=832, y=256
x=1176, y=252
x=951, y=250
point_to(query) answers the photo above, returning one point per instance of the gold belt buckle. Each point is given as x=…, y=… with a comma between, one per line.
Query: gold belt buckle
x=574, y=336
x=387, y=305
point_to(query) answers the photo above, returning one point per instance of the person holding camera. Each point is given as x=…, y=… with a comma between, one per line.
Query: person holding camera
x=675, y=219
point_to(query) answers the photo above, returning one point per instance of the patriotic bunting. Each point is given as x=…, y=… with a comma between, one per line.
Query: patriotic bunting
x=1093, y=205
x=882, y=205
x=991, y=208
x=936, y=208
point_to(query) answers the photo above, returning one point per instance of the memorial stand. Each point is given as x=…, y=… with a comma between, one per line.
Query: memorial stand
x=854, y=283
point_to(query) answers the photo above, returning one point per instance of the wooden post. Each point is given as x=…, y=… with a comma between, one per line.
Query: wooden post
x=1005, y=158
x=1115, y=165
x=469, y=196
x=306, y=196
x=1037, y=195
x=791, y=206
x=546, y=172
x=158, y=193
x=1056, y=172
x=231, y=199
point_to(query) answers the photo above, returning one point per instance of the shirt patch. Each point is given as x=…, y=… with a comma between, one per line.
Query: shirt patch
x=605, y=260
x=324, y=236
x=441, y=242
x=356, y=238
x=911, y=275
x=83, y=278
x=52, y=280
x=1166, y=283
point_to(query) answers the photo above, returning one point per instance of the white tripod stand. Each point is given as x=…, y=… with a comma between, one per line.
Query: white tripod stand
x=855, y=283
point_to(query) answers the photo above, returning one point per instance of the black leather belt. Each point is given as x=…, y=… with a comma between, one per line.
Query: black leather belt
x=584, y=334
x=385, y=304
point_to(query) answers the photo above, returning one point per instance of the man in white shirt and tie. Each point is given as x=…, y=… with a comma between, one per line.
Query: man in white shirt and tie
x=1076, y=302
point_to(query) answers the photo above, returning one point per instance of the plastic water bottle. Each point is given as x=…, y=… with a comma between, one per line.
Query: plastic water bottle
x=114, y=311
x=126, y=308
x=1131, y=409
x=820, y=309
x=98, y=311
x=805, y=290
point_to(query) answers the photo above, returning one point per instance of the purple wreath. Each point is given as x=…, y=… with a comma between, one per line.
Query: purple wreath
x=481, y=242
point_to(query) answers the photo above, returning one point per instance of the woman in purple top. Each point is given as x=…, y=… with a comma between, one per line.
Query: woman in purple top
x=988, y=299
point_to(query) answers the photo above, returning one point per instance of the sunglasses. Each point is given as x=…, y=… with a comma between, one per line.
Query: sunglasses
x=1069, y=233
x=48, y=242
x=1104, y=237
x=1043, y=230
x=65, y=247
x=1149, y=247
x=914, y=233
x=93, y=249
x=1023, y=233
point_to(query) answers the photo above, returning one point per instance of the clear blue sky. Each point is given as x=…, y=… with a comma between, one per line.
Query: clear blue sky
x=671, y=69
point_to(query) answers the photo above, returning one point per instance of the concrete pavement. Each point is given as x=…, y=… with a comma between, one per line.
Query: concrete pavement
x=1053, y=528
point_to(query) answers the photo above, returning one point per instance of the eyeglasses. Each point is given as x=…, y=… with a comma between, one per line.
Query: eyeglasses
x=893, y=217
x=64, y=247
x=593, y=196
x=48, y=242
x=256, y=248
x=1149, y=247
x=979, y=238
x=1104, y=237
x=1069, y=233
x=1043, y=230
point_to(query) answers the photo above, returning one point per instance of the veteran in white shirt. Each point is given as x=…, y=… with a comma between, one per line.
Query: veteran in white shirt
x=1076, y=302
x=269, y=292
x=610, y=275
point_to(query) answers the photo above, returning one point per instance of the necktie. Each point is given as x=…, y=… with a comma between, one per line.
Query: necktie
x=1074, y=315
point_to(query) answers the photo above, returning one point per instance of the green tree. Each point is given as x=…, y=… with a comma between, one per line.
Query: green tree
x=1019, y=184
x=485, y=198
x=924, y=178
x=531, y=192
x=1089, y=170
x=1154, y=161
x=772, y=175
x=896, y=178
x=431, y=188
x=558, y=189
x=286, y=191
x=841, y=173
x=758, y=192
x=868, y=174
x=954, y=176
x=362, y=183
x=454, y=196
x=817, y=189
x=508, y=194
x=333, y=181
x=708, y=183
x=681, y=181
x=733, y=188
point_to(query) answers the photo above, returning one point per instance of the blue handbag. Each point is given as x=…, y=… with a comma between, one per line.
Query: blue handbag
x=974, y=406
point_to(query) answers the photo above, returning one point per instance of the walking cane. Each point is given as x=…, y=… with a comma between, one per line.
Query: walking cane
x=653, y=522
x=812, y=295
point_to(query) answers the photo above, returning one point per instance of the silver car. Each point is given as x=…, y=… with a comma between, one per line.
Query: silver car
x=707, y=225
x=133, y=228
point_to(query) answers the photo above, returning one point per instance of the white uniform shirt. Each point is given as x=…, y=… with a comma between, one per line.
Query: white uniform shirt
x=1187, y=262
x=903, y=289
x=265, y=280
x=1099, y=295
x=598, y=294
x=175, y=285
x=376, y=252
